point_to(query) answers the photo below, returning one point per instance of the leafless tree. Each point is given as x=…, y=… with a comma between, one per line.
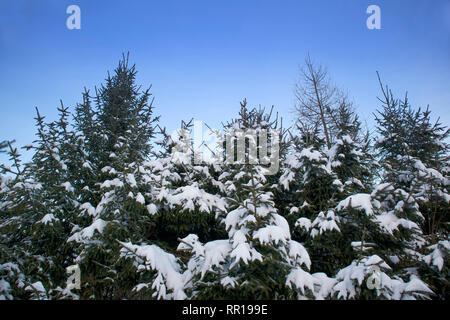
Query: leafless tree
x=317, y=99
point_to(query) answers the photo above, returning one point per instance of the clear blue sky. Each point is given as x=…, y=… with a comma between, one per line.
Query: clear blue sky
x=203, y=57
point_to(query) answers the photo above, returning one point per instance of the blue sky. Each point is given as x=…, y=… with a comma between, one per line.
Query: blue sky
x=203, y=57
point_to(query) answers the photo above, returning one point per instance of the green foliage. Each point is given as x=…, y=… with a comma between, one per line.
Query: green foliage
x=147, y=222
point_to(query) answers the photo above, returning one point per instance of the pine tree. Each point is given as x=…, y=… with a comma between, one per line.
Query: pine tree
x=263, y=261
x=257, y=261
x=415, y=157
x=115, y=143
x=20, y=266
x=350, y=155
x=413, y=151
x=164, y=223
x=188, y=193
x=315, y=189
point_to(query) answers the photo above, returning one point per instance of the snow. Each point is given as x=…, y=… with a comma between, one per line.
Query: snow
x=376, y=260
x=215, y=253
x=228, y=282
x=48, y=219
x=386, y=187
x=67, y=186
x=191, y=196
x=28, y=185
x=152, y=209
x=37, y=286
x=360, y=201
x=140, y=286
x=249, y=219
x=301, y=280
x=292, y=160
x=293, y=210
x=389, y=222
x=109, y=170
x=347, y=139
x=233, y=218
x=323, y=223
x=209, y=257
x=270, y=234
x=263, y=210
x=37, y=289
x=354, y=181
x=394, y=259
x=168, y=270
x=255, y=230
x=416, y=285
x=298, y=252
x=281, y=222
x=131, y=180
x=438, y=254
x=323, y=285
x=345, y=287
x=112, y=183
x=239, y=237
x=304, y=223
x=88, y=232
x=223, y=176
x=350, y=280
x=87, y=165
x=5, y=290
x=286, y=179
x=310, y=154
x=87, y=207
x=140, y=198
x=243, y=252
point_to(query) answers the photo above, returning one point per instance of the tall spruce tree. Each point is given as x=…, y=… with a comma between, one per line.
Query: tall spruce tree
x=259, y=260
x=414, y=157
x=147, y=225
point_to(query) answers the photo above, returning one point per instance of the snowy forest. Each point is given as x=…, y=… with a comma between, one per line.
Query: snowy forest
x=351, y=213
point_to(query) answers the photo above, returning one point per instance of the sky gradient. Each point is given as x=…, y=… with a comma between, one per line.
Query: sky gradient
x=203, y=57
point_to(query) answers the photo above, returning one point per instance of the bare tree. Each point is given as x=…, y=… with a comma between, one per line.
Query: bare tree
x=316, y=99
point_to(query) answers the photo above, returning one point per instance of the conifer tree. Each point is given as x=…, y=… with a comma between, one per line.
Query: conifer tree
x=164, y=223
x=414, y=154
x=264, y=262
x=188, y=194
x=415, y=157
x=20, y=266
x=315, y=189
x=115, y=138
x=350, y=156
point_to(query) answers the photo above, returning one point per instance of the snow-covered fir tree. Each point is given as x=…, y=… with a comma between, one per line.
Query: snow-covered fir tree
x=147, y=219
x=262, y=261
x=414, y=155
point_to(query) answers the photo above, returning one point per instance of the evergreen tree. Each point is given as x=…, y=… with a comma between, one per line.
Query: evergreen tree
x=115, y=138
x=259, y=260
x=20, y=266
x=350, y=156
x=164, y=223
x=415, y=158
x=314, y=190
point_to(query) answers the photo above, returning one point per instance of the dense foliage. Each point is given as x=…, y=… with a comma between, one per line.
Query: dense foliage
x=347, y=216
